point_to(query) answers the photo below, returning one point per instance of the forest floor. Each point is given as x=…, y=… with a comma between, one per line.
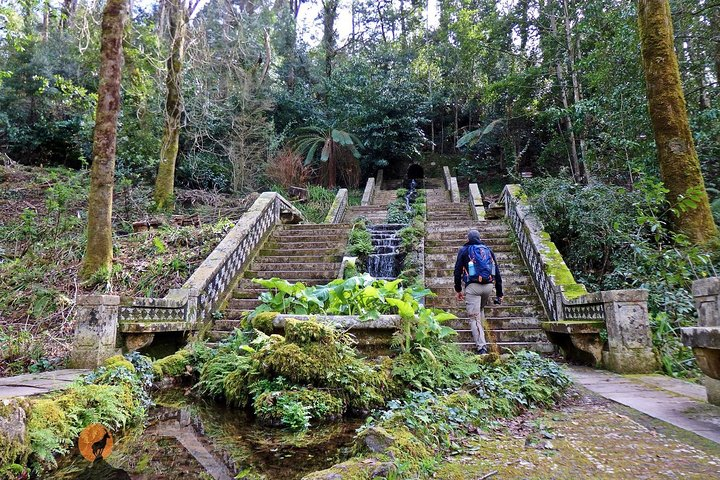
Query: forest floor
x=585, y=436
x=43, y=215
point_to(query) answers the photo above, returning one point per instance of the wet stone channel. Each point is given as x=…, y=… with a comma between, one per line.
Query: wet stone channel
x=188, y=437
x=385, y=261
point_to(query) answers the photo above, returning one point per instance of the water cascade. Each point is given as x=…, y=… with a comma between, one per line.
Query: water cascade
x=384, y=262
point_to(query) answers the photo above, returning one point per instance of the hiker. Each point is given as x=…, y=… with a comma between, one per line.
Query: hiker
x=478, y=269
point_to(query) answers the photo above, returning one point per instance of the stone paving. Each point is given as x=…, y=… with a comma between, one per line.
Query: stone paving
x=38, y=383
x=668, y=399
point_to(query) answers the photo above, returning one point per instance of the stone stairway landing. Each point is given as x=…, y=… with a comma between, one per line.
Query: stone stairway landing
x=513, y=325
x=310, y=254
x=376, y=212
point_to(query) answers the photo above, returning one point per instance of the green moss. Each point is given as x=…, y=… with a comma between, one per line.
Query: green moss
x=555, y=266
x=13, y=450
x=264, y=322
x=354, y=469
x=276, y=408
x=303, y=332
x=119, y=361
x=172, y=365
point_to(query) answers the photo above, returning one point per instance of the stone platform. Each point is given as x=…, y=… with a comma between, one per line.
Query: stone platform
x=38, y=383
x=673, y=401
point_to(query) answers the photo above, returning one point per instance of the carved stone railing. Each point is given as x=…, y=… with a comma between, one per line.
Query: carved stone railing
x=99, y=318
x=338, y=207
x=476, y=202
x=571, y=309
x=368, y=193
x=454, y=190
x=446, y=176
x=704, y=339
x=379, y=179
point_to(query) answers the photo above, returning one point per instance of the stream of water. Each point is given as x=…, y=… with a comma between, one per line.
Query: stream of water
x=188, y=437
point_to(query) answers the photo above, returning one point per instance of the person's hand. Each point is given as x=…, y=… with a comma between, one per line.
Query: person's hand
x=460, y=296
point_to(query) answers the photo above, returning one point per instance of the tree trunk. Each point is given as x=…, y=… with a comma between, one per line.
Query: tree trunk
x=332, y=166
x=328, y=42
x=98, y=252
x=679, y=165
x=577, y=97
x=715, y=28
x=574, y=161
x=165, y=182
x=697, y=69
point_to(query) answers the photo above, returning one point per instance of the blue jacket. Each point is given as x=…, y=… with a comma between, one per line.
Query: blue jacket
x=461, y=263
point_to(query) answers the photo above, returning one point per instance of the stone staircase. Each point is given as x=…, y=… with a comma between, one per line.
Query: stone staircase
x=376, y=213
x=513, y=325
x=311, y=254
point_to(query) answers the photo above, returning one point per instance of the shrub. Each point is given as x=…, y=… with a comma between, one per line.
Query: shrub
x=287, y=169
x=296, y=408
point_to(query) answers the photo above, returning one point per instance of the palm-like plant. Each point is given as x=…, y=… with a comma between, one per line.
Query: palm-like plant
x=335, y=145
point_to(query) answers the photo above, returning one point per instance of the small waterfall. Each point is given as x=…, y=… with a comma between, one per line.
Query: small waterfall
x=384, y=262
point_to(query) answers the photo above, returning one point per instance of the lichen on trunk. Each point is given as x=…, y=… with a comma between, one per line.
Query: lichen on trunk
x=98, y=252
x=679, y=164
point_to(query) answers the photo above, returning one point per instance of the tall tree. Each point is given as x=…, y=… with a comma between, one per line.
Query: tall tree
x=329, y=39
x=178, y=18
x=98, y=252
x=679, y=165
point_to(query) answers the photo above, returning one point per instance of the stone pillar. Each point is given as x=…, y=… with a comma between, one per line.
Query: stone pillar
x=628, y=330
x=96, y=330
x=705, y=338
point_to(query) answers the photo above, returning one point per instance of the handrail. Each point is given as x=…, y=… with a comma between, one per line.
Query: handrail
x=476, y=203
x=368, y=193
x=336, y=213
x=379, y=178
x=454, y=190
x=208, y=284
x=624, y=312
x=446, y=176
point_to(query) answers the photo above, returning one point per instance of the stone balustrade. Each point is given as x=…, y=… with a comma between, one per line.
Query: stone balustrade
x=454, y=190
x=368, y=193
x=576, y=317
x=477, y=206
x=379, y=179
x=102, y=320
x=338, y=207
x=705, y=338
x=447, y=177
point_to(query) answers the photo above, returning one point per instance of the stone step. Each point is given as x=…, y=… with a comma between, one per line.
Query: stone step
x=316, y=243
x=287, y=274
x=446, y=289
x=449, y=266
x=539, y=347
x=313, y=227
x=458, y=242
x=514, y=323
x=298, y=259
x=291, y=266
x=246, y=284
x=316, y=236
x=525, y=335
x=243, y=303
x=509, y=301
x=500, y=256
x=460, y=236
x=509, y=279
x=295, y=251
x=453, y=249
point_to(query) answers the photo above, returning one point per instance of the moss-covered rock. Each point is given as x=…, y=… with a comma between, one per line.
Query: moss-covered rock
x=14, y=441
x=278, y=408
x=303, y=332
x=355, y=469
x=172, y=365
x=264, y=322
x=119, y=361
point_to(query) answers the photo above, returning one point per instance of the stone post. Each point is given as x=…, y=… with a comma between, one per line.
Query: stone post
x=628, y=330
x=96, y=330
x=705, y=338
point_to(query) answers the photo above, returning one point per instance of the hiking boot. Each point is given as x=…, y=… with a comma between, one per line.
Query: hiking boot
x=482, y=350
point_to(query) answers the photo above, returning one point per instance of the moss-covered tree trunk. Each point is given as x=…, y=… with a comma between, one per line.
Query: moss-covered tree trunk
x=715, y=29
x=679, y=165
x=98, y=252
x=165, y=182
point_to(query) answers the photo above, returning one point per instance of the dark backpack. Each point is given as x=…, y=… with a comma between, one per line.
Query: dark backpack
x=484, y=266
